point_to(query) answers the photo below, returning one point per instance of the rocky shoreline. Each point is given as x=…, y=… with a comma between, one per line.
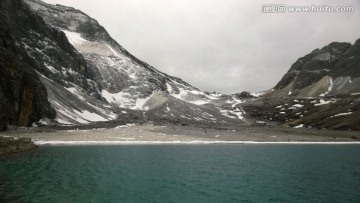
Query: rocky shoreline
x=15, y=145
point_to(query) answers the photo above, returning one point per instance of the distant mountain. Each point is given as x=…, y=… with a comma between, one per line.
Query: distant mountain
x=85, y=76
x=321, y=90
x=332, y=70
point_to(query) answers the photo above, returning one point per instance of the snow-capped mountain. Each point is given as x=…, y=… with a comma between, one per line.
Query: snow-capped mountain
x=89, y=77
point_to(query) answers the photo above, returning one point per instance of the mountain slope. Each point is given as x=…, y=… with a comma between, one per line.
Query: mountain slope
x=89, y=77
x=321, y=90
x=332, y=70
x=59, y=66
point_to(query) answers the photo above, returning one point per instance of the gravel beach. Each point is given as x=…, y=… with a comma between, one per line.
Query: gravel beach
x=157, y=134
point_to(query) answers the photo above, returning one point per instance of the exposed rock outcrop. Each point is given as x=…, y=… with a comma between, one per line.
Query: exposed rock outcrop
x=23, y=98
x=12, y=145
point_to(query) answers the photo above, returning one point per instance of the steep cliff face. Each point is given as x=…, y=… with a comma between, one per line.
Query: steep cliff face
x=39, y=64
x=3, y=120
x=23, y=98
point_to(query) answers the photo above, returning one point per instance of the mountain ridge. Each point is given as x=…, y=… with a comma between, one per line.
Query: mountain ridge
x=320, y=90
x=69, y=71
x=89, y=77
x=336, y=64
x=123, y=80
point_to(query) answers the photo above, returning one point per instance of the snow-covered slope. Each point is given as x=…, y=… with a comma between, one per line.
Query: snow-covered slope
x=109, y=78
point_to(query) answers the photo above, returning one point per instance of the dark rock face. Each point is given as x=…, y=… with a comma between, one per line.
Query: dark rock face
x=37, y=62
x=3, y=120
x=244, y=95
x=23, y=98
x=46, y=46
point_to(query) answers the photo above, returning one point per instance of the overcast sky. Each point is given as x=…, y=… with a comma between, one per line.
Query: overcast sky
x=226, y=46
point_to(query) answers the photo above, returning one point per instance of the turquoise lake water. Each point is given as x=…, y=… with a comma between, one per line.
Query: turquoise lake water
x=183, y=173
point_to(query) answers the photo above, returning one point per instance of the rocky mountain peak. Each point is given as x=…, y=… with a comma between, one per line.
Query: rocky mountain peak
x=89, y=77
x=335, y=64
